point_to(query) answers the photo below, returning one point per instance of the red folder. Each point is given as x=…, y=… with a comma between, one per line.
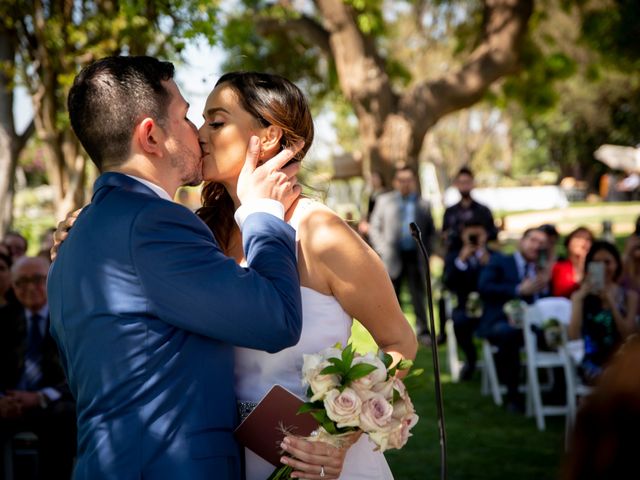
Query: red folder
x=261, y=431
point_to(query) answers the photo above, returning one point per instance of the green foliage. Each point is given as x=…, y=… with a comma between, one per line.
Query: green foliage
x=75, y=33
x=615, y=32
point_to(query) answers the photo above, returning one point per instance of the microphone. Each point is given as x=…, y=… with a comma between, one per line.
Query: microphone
x=417, y=236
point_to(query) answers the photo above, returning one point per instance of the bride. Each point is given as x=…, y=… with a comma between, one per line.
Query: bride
x=340, y=276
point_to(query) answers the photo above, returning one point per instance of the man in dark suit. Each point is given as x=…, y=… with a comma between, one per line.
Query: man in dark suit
x=391, y=237
x=144, y=305
x=461, y=272
x=507, y=278
x=35, y=396
x=456, y=215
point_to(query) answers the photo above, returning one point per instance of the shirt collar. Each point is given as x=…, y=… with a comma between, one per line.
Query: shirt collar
x=521, y=263
x=43, y=312
x=161, y=192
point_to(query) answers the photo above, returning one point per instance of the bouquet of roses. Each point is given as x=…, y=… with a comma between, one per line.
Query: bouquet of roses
x=349, y=392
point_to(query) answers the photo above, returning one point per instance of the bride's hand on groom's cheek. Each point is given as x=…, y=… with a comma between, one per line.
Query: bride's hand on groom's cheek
x=62, y=231
x=274, y=179
x=314, y=458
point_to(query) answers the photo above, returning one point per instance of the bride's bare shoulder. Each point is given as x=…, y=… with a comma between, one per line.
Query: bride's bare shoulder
x=321, y=230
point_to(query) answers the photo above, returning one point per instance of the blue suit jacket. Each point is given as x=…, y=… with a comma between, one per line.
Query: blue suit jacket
x=497, y=284
x=146, y=309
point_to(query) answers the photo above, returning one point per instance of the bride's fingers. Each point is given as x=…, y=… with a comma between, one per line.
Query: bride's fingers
x=313, y=458
x=311, y=471
x=313, y=452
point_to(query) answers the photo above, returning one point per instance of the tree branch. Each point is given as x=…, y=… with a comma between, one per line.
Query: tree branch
x=304, y=26
x=504, y=27
x=23, y=138
x=361, y=70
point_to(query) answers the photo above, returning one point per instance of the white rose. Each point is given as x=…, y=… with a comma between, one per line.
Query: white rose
x=365, y=384
x=381, y=437
x=376, y=413
x=320, y=384
x=343, y=407
x=399, y=436
x=385, y=388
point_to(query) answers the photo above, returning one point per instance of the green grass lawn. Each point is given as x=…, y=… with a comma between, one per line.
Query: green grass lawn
x=484, y=441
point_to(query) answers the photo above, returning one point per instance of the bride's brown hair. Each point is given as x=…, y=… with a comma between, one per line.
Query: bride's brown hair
x=272, y=100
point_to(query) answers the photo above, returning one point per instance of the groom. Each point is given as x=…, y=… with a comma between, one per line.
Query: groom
x=144, y=306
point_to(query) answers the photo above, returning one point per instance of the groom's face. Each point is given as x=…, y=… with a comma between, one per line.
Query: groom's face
x=182, y=142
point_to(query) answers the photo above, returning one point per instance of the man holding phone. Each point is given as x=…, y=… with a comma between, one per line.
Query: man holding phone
x=461, y=271
x=507, y=278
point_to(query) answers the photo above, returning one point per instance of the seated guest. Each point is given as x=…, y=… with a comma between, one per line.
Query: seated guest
x=631, y=267
x=7, y=296
x=550, y=256
x=602, y=312
x=34, y=394
x=16, y=243
x=503, y=279
x=566, y=274
x=461, y=272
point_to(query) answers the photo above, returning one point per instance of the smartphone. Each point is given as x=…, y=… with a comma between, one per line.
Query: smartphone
x=542, y=259
x=596, y=276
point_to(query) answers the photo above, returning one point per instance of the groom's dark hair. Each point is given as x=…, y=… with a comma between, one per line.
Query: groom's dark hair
x=109, y=97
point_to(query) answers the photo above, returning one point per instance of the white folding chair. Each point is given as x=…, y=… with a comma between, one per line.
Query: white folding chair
x=535, y=315
x=453, y=360
x=489, y=383
x=575, y=387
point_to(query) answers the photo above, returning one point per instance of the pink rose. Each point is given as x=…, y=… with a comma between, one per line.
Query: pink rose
x=343, y=407
x=376, y=413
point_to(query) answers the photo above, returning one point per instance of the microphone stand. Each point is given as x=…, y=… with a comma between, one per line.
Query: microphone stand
x=417, y=236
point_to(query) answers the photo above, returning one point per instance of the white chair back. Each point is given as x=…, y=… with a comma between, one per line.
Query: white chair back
x=537, y=314
x=550, y=307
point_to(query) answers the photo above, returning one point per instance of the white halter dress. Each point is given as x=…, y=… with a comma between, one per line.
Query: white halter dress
x=324, y=324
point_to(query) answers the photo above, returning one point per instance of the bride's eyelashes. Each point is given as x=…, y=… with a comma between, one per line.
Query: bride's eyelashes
x=216, y=125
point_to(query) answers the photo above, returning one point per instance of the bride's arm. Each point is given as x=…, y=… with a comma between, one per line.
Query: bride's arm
x=337, y=260
x=356, y=276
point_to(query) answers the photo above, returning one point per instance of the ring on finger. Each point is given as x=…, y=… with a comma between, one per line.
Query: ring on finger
x=322, y=471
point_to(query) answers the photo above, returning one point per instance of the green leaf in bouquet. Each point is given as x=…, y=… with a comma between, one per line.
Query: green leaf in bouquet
x=386, y=358
x=320, y=416
x=358, y=371
x=391, y=372
x=332, y=370
x=330, y=427
x=404, y=364
x=309, y=407
x=415, y=381
x=309, y=392
x=338, y=363
x=347, y=356
x=396, y=396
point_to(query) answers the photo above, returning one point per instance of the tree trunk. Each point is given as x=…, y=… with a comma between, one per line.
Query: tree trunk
x=11, y=144
x=392, y=127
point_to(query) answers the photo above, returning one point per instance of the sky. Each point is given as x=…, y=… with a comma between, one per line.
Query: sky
x=195, y=77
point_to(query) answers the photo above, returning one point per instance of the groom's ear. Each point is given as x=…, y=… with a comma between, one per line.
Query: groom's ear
x=148, y=137
x=270, y=141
